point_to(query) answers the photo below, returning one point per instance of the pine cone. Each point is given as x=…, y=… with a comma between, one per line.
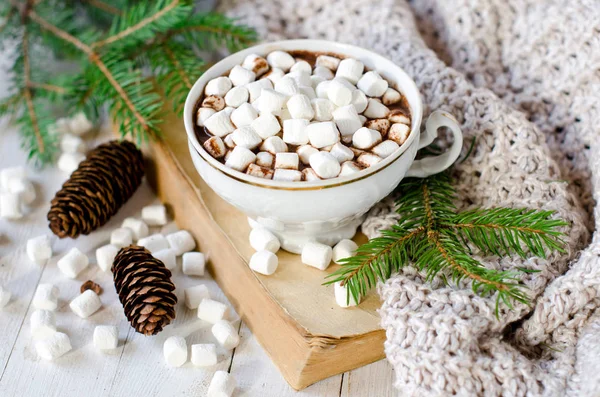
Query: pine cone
x=144, y=286
x=96, y=190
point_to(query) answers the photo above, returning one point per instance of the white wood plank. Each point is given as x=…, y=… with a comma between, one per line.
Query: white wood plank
x=376, y=379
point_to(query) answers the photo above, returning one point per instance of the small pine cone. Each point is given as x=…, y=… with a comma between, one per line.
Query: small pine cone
x=145, y=290
x=102, y=183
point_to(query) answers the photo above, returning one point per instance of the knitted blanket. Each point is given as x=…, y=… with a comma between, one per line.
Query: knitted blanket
x=523, y=77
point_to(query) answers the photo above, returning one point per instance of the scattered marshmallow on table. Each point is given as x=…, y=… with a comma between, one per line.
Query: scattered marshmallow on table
x=155, y=215
x=105, y=256
x=167, y=257
x=4, y=297
x=12, y=172
x=23, y=188
x=204, y=354
x=86, y=304
x=72, y=144
x=226, y=334
x=325, y=165
x=342, y=297
x=218, y=86
x=344, y=249
x=121, y=237
x=222, y=385
x=194, y=295
x=211, y=311
x=175, y=351
x=54, y=346
x=106, y=337
x=42, y=323
x=193, y=263
x=68, y=162
x=264, y=262
x=79, y=124
x=45, y=297
x=73, y=263
x=181, y=242
x=137, y=227
x=316, y=255
x=39, y=249
x=10, y=206
x=154, y=243
x=263, y=239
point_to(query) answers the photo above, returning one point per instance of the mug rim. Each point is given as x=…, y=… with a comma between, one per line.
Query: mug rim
x=325, y=46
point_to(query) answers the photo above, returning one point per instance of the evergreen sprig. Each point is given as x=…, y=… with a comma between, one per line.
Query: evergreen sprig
x=125, y=50
x=440, y=241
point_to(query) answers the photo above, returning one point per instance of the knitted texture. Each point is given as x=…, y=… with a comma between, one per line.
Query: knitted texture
x=523, y=80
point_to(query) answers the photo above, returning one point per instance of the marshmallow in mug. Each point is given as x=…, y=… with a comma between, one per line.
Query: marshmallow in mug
x=270, y=115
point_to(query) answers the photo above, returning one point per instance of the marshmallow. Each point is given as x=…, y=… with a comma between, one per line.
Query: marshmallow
x=105, y=256
x=342, y=297
x=294, y=131
x=265, y=160
x=219, y=124
x=287, y=86
x=385, y=148
x=255, y=88
x=39, y=249
x=381, y=125
x=54, y=346
x=274, y=144
x=154, y=215
x=261, y=239
x=73, y=263
x=316, y=254
x=259, y=172
x=301, y=78
x=244, y=115
x=167, y=257
x=194, y=295
x=137, y=227
x=121, y=237
x=323, y=72
x=396, y=116
x=181, y=242
x=4, y=297
x=304, y=153
x=218, y=86
x=275, y=75
x=203, y=114
x=79, y=124
x=368, y=159
x=266, y=125
x=327, y=61
x=286, y=161
x=349, y=168
x=325, y=165
x=287, y=175
x=376, y=110
x=204, y=355
x=222, y=385
x=284, y=114
x=9, y=173
x=68, y=162
x=86, y=304
x=315, y=81
x=193, y=263
x=339, y=93
x=228, y=141
x=175, y=351
x=323, y=109
x=45, y=297
x=281, y=60
x=271, y=101
x=346, y=83
x=322, y=134
x=300, y=107
x=341, y=152
x=359, y=100
x=213, y=102
x=72, y=144
x=347, y=120
x=256, y=64
x=211, y=311
x=264, y=262
x=322, y=89
x=357, y=152
x=106, y=337
x=344, y=249
x=245, y=137
x=350, y=69
x=225, y=334
x=363, y=120
x=154, y=243
x=309, y=175
x=240, y=158
x=365, y=138
x=391, y=97
x=42, y=323
x=372, y=84
x=215, y=146
x=240, y=76
x=10, y=206
x=308, y=91
x=399, y=133
x=301, y=66
x=236, y=96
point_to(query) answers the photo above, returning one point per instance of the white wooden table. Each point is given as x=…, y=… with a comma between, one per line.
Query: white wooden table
x=136, y=367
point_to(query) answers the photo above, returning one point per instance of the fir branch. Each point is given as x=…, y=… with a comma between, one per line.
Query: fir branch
x=39, y=140
x=104, y=7
x=210, y=31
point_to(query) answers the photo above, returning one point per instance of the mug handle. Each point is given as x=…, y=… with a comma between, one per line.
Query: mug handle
x=434, y=164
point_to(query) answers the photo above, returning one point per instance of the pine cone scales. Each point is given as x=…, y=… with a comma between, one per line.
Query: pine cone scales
x=145, y=290
x=102, y=183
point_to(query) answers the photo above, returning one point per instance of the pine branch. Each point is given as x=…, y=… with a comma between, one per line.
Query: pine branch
x=100, y=5
x=211, y=31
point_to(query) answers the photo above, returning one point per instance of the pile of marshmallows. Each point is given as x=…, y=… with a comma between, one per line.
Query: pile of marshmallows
x=16, y=192
x=335, y=117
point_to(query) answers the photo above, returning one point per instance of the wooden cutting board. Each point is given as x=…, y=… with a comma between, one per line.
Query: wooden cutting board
x=293, y=316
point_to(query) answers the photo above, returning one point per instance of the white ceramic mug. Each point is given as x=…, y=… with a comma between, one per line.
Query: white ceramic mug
x=327, y=210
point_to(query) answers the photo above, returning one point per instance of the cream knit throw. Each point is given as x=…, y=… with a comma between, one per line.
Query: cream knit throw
x=525, y=81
